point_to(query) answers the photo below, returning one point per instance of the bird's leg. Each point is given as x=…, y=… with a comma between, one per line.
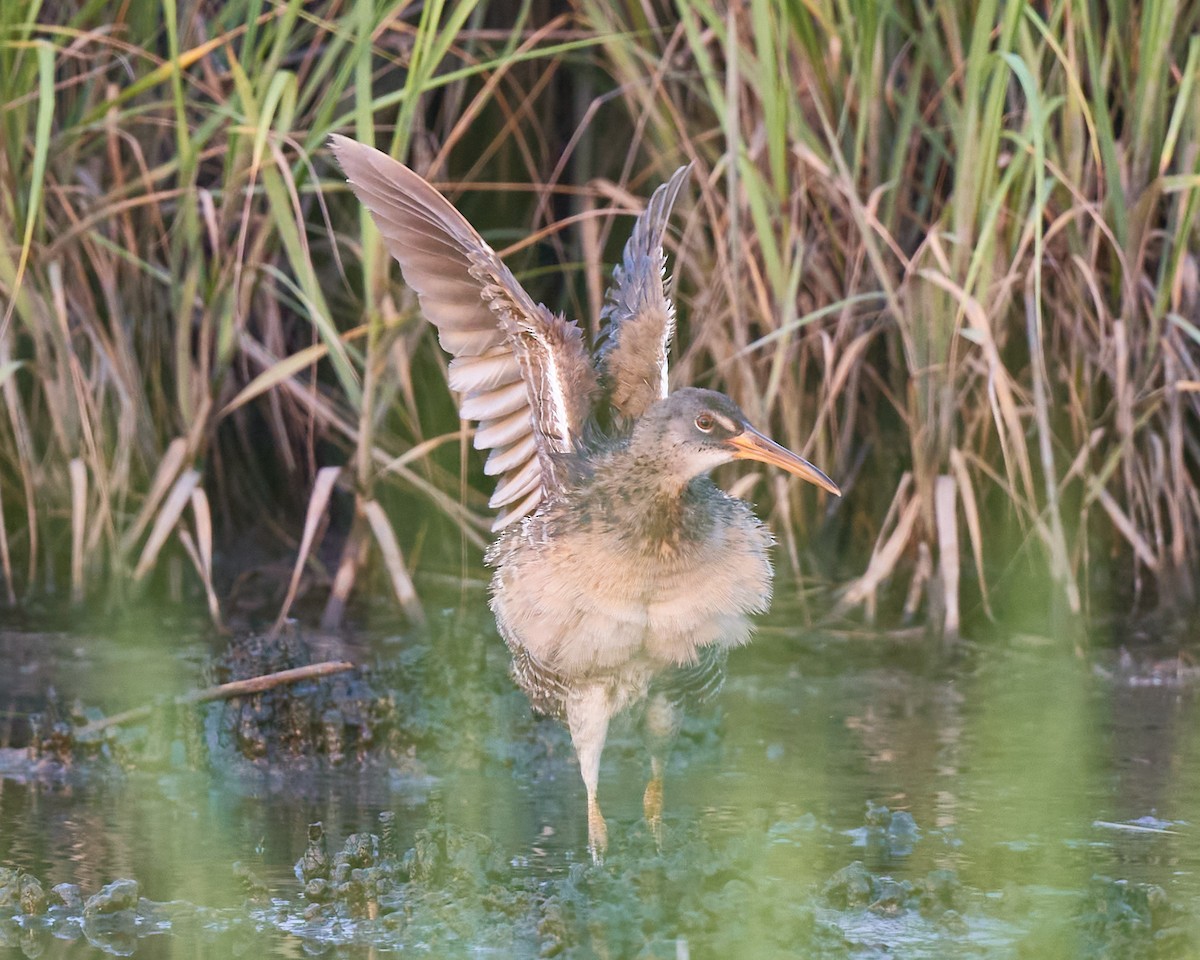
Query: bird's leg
x=588, y=711
x=662, y=726
x=652, y=800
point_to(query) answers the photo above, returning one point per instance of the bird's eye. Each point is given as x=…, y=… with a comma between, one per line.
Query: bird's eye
x=705, y=423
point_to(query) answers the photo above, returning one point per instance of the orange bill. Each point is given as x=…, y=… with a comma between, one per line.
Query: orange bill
x=752, y=445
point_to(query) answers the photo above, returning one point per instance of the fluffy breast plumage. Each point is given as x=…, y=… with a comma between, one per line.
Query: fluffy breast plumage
x=601, y=589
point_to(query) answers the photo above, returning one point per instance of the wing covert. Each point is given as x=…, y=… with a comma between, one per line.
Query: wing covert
x=521, y=372
x=638, y=319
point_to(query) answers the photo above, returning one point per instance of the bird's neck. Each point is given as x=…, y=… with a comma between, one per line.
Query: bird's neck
x=646, y=475
x=656, y=507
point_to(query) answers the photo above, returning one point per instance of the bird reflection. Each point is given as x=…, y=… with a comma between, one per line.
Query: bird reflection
x=623, y=575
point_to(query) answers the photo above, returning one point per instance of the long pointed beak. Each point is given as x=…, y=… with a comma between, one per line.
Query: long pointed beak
x=752, y=445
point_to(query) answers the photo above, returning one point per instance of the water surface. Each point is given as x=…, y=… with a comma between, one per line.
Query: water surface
x=846, y=795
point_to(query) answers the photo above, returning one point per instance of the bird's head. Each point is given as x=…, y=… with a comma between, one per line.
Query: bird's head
x=695, y=430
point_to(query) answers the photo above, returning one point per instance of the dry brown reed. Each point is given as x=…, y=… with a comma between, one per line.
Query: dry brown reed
x=948, y=254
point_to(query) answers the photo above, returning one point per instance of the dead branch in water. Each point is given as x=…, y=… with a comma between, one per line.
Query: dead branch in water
x=221, y=691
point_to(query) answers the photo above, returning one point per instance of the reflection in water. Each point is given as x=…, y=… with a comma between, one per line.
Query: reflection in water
x=1020, y=802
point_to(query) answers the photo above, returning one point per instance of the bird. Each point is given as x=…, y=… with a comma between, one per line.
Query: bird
x=622, y=575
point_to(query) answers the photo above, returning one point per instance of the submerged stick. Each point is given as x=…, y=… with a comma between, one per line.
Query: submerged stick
x=222, y=691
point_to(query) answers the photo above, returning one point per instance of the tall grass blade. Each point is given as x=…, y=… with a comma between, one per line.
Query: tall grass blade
x=168, y=469
x=318, y=503
x=165, y=521
x=945, y=504
x=203, y=551
x=79, y=496
x=393, y=560
x=10, y=591
x=37, y=174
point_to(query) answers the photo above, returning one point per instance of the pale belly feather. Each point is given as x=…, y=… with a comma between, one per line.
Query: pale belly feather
x=585, y=607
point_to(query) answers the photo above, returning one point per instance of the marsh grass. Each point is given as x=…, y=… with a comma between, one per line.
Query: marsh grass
x=970, y=232
x=948, y=254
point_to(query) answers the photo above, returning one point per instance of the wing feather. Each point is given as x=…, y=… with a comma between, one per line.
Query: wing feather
x=515, y=485
x=522, y=372
x=498, y=433
x=638, y=320
x=495, y=403
x=494, y=368
x=522, y=508
x=503, y=459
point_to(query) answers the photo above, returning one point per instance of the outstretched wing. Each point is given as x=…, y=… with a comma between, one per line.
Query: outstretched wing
x=638, y=317
x=522, y=373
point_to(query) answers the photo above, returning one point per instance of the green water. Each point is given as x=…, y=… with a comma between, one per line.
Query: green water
x=1041, y=805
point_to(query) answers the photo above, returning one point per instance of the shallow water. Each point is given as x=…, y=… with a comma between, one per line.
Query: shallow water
x=843, y=796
